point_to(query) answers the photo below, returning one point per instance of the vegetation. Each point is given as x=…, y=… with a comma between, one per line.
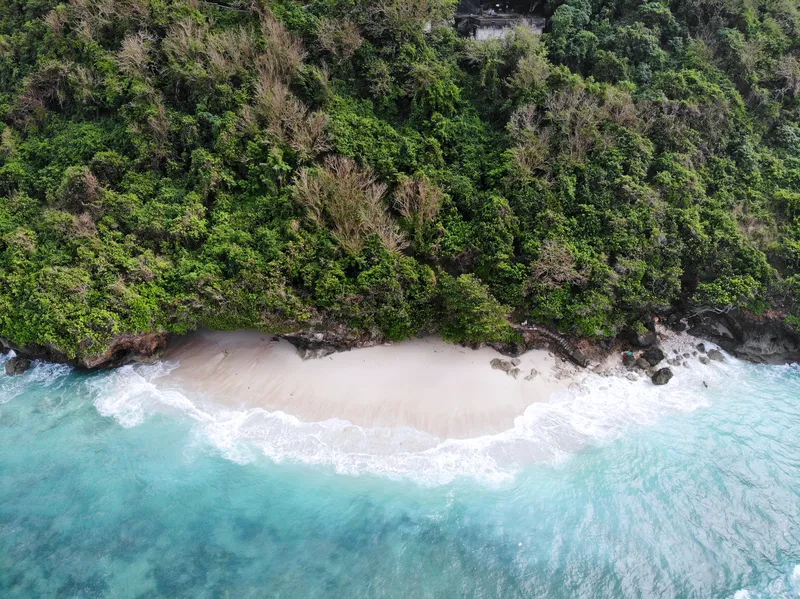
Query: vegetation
x=169, y=164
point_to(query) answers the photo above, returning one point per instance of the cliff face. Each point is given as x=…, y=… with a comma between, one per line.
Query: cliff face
x=123, y=349
x=765, y=339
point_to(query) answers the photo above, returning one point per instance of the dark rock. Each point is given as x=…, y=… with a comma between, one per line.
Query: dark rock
x=716, y=355
x=326, y=338
x=704, y=360
x=315, y=353
x=642, y=363
x=701, y=347
x=645, y=339
x=662, y=377
x=17, y=365
x=680, y=327
x=654, y=355
x=628, y=359
x=763, y=339
x=123, y=349
x=506, y=366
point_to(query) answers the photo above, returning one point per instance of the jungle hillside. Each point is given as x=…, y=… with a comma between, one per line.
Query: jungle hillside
x=284, y=165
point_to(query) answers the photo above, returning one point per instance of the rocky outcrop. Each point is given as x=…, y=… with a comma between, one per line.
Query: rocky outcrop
x=507, y=366
x=646, y=339
x=653, y=355
x=765, y=339
x=662, y=377
x=17, y=365
x=326, y=339
x=122, y=350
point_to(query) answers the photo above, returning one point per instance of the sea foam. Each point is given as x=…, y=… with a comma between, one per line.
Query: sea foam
x=599, y=410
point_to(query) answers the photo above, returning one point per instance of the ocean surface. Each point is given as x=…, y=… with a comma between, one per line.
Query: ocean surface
x=112, y=485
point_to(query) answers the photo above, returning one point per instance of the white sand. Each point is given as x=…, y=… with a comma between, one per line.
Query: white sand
x=446, y=390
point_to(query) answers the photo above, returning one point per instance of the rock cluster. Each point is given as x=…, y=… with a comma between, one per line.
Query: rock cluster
x=510, y=367
x=646, y=362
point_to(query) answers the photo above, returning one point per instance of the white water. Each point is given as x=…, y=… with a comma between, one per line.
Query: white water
x=601, y=410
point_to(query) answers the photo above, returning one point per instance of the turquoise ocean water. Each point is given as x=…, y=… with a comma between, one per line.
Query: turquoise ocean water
x=112, y=486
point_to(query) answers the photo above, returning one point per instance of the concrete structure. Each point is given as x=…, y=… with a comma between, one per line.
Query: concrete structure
x=487, y=20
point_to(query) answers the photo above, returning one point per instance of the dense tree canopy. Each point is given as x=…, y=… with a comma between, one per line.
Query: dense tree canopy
x=169, y=164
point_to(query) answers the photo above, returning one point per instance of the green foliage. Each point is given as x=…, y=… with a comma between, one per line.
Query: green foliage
x=469, y=312
x=170, y=164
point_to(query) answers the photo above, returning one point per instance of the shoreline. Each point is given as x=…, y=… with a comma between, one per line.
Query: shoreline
x=445, y=390
x=422, y=410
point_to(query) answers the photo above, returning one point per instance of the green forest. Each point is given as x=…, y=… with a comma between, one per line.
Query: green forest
x=289, y=165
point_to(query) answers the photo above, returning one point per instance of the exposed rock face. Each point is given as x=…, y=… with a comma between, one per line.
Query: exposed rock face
x=662, y=377
x=653, y=355
x=17, y=365
x=766, y=339
x=123, y=349
x=329, y=339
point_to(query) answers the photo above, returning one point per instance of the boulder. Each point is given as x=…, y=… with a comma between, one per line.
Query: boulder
x=645, y=339
x=628, y=359
x=701, y=347
x=662, y=377
x=716, y=355
x=500, y=364
x=704, y=360
x=653, y=355
x=506, y=366
x=17, y=365
x=516, y=361
x=643, y=364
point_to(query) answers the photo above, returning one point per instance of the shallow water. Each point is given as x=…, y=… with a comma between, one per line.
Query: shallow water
x=111, y=486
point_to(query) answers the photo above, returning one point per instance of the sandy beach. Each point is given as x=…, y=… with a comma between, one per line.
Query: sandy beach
x=445, y=390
